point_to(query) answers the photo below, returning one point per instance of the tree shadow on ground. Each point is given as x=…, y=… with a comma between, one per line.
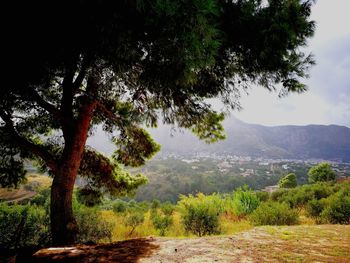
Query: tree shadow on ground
x=128, y=251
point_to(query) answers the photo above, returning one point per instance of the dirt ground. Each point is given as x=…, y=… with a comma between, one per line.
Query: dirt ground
x=324, y=243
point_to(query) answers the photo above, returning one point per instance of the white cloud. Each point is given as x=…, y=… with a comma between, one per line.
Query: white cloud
x=300, y=109
x=328, y=98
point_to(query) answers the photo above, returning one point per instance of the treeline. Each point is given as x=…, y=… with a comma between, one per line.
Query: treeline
x=168, y=178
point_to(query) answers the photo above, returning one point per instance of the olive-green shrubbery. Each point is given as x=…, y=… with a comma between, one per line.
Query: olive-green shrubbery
x=200, y=213
x=325, y=202
x=334, y=209
x=273, y=213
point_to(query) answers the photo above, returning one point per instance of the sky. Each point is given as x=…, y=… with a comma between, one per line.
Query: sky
x=328, y=99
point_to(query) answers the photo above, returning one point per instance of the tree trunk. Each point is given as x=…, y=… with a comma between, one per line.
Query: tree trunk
x=64, y=227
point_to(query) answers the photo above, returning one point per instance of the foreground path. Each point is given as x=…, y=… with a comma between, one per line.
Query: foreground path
x=324, y=243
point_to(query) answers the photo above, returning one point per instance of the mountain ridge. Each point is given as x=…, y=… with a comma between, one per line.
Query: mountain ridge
x=313, y=141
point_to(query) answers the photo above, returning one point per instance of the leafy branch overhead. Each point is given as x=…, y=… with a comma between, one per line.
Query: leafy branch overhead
x=124, y=65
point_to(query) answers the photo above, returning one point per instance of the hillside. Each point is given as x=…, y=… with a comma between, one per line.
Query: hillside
x=26, y=191
x=295, y=142
x=330, y=142
x=324, y=243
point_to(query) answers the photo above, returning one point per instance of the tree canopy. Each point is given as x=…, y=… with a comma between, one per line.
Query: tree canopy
x=322, y=172
x=126, y=64
x=288, y=181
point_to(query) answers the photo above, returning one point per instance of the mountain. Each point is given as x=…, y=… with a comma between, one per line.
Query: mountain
x=328, y=142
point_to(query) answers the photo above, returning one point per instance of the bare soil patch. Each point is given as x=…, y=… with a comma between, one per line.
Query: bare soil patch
x=323, y=243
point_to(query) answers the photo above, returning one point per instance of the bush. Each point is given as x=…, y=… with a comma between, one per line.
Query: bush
x=119, y=206
x=200, y=214
x=155, y=204
x=245, y=201
x=314, y=209
x=262, y=196
x=42, y=198
x=300, y=196
x=288, y=181
x=162, y=223
x=92, y=227
x=23, y=226
x=272, y=213
x=321, y=173
x=337, y=210
x=167, y=208
x=134, y=219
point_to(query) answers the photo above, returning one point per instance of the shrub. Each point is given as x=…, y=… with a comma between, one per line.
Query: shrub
x=300, y=196
x=200, y=214
x=92, y=227
x=23, y=226
x=288, y=181
x=155, y=204
x=134, y=219
x=272, y=213
x=42, y=198
x=262, y=196
x=321, y=173
x=119, y=206
x=167, y=208
x=162, y=223
x=337, y=210
x=314, y=209
x=245, y=201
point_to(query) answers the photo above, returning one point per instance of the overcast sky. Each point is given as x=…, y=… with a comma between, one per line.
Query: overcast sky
x=328, y=98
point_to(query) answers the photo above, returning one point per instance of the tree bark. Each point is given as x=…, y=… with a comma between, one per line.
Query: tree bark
x=64, y=227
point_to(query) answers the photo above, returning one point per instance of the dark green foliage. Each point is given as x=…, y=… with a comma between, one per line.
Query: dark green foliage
x=321, y=173
x=135, y=147
x=107, y=175
x=300, y=196
x=288, y=181
x=23, y=226
x=272, y=213
x=201, y=220
x=262, y=196
x=92, y=227
x=314, y=209
x=337, y=209
x=42, y=198
x=12, y=171
x=120, y=206
x=89, y=197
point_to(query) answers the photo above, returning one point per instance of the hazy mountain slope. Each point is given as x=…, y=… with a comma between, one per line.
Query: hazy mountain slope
x=330, y=142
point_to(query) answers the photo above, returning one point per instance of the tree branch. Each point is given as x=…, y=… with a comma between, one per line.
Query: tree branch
x=81, y=76
x=107, y=112
x=46, y=105
x=26, y=144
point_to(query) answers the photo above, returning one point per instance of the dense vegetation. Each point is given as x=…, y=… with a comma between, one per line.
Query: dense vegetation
x=171, y=176
x=193, y=215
